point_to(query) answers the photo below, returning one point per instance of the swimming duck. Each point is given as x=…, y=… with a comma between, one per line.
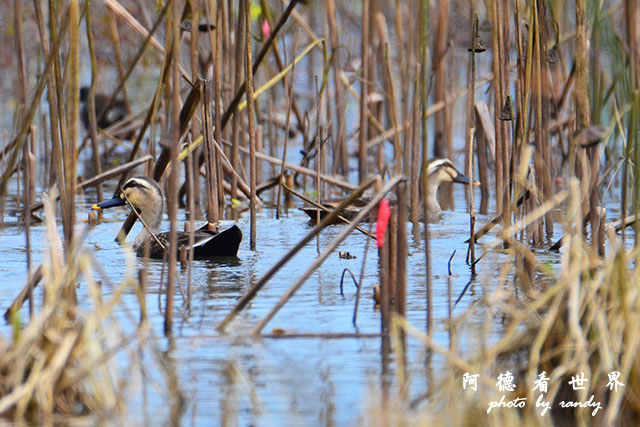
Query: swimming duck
x=440, y=170
x=115, y=113
x=145, y=195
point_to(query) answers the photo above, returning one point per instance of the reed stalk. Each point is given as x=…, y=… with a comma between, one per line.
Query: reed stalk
x=471, y=254
x=364, y=91
x=210, y=156
x=339, y=105
x=424, y=19
x=174, y=141
x=91, y=103
x=288, y=124
x=28, y=171
x=252, y=136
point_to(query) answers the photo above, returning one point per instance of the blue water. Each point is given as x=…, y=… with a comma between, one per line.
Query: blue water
x=265, y=380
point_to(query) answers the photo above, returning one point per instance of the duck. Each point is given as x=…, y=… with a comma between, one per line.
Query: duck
x=440, y=170
x=115, y=113
x=145, y=196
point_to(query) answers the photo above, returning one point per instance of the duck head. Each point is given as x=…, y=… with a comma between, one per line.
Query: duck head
x=144, y=195
x=442, y=171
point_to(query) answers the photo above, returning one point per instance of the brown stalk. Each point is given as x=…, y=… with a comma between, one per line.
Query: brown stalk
x=286, y=133
x=172, y=194
x=91, y=104
x=364, y=91
x=210, y=156
x=252, y=136
x=26, y=151
x=216, y=37
x=238, y=86
x=422, y=54
x=471, y=254
x=340, y=139
x=498, y=102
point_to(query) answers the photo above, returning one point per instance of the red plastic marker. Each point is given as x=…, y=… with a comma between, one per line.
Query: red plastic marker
x=383, y=220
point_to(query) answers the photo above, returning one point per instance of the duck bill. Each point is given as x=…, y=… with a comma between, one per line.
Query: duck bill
x=461, y=179
x=116, y=201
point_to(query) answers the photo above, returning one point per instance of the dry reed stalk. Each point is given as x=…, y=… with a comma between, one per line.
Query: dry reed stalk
x=385, y=285
x=583, y=110
x=400, y=303
x=91, y=103
x=238, y=87
x=253, y=291
x=210, y=157
x=632, y=14
x=330, y=248
x=441, y=145
x=218, y=94
x=422, y=54
x=415, y=154
x=192, y=176
x=498, y=102
x=471, y=254
x=340, y=137
x=29, y=172
x=485, y=140
x=443, y=140
x=383, y=34
x=540, y=167
x=51, y=98
x=288, y=124
x=364, y=91
x=174, y=141
x=191, y=169
x=391, y=239
x=252, y=137
x=547, y=96
x=71, y=81
x=318, y=146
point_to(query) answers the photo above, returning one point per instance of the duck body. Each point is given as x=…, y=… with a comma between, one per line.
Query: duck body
x=115, y=113
x=145, y=196
x=440, y=170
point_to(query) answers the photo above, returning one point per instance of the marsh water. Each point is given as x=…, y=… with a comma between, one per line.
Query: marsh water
x=255, y=381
